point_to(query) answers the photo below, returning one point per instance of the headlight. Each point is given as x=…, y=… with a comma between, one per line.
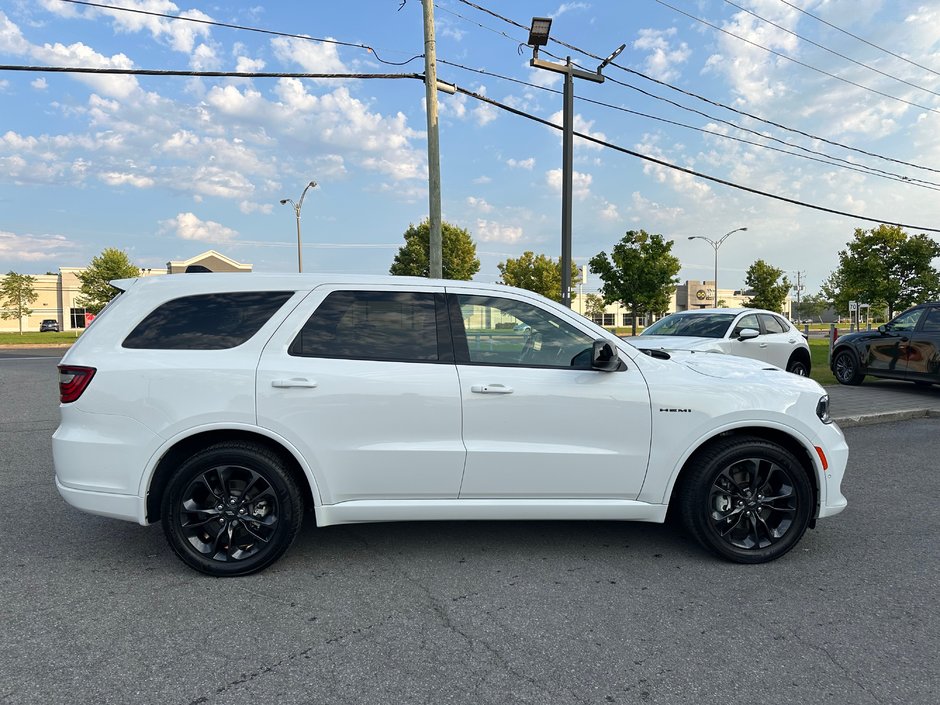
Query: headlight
x=822, y=409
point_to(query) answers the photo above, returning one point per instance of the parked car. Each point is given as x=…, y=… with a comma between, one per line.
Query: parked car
x=907, y=347
x=226, y=405
x=49, y=325
x=747, y=332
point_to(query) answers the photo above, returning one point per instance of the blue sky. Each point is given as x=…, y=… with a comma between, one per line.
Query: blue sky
x=167, y=167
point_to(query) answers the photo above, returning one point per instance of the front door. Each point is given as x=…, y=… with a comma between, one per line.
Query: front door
x=538, y=423
x=363, y=384
x=923, y=350
x=887, y=353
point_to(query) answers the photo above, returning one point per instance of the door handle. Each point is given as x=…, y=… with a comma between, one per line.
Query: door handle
x=763, y=345
x=490, y=389
x=294, y=382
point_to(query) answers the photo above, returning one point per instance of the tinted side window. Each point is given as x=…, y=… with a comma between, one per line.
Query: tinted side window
x=371, y=325
x=748, y=321
x=773, y=324
x=932, y=322
x=206, y=321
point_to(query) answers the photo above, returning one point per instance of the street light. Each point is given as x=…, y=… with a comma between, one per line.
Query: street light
x=538, y=36
x=297, y=206
x=716, y=244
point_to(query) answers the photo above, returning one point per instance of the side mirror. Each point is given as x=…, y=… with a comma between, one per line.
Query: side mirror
x=882, y=329
x=604, y=356
x=748, y=334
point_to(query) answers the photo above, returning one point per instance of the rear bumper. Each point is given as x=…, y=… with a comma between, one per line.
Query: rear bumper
x=107, y=504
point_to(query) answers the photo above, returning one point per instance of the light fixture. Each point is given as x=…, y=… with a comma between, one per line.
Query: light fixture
x=538, y=33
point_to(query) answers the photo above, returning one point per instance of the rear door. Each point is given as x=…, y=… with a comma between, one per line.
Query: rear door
x=778, y=339
x=923, y=349
x=363, y=383
x=537, y=421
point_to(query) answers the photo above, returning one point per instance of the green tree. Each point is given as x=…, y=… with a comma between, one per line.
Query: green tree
x=594, y=305
x=769, y=291
x=538, y=273
x=640, y=273
x=95, y=290
x=17, y=292
x=813, y=306
x=884, y=266
x=458, y=252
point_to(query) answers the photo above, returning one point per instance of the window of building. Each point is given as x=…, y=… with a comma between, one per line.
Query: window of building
x=371, y=325
x=609, y=319
x=77, y=317
x=206, y=321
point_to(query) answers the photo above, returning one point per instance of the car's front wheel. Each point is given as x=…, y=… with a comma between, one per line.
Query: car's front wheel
x=798, y=366
x=746, y=499
x=846, y=368
x=231, y=509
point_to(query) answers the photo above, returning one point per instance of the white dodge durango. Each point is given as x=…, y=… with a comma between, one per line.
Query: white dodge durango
x=225, y=405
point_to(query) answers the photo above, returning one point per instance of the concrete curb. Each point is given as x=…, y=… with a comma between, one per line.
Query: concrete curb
x=884, y=417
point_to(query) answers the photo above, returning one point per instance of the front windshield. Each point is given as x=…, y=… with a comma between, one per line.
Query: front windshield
x=698, y=325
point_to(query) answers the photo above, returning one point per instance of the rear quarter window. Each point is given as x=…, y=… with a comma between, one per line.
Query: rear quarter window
x=206, y=321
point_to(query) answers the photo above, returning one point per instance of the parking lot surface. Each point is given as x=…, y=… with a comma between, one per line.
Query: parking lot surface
x=100, y=611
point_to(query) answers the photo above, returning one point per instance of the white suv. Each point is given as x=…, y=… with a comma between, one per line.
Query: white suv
x=227, y=404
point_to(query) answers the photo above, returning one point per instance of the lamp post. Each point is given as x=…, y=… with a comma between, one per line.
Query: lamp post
x=297, y=206
x=716, y=244
x=538, y=37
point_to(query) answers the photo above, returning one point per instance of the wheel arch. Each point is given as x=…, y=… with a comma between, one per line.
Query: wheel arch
x=803, y=356
x=845, y=347
x=182, y=448
x=773, y=435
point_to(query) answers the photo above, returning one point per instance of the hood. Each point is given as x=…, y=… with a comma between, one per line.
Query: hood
x=674, y=342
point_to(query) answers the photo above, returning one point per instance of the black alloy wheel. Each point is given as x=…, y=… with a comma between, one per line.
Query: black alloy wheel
x=845, y=367
x=231, y=509
x=746, y=499
x=798, y=367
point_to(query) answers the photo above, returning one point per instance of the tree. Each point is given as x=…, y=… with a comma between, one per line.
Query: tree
x=594, y=305
x=813, y=306
x=537, y=273
x=884, y=266
x=459, y=253
x=17, y=292
x=640, y=273
x=769, y=291
x=95, y=290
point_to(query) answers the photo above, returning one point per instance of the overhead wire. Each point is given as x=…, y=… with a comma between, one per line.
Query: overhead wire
x=704, y=99
x=796, y=61
x=204, y=74
x=831, y=51
x=861, y=39
x=691, y=172
x=245, y=28
x=835, y=161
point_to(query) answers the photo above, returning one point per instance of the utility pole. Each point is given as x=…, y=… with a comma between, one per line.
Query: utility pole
x=297, y=206
x=798, y=288
x=538, y=36
x=435, y=257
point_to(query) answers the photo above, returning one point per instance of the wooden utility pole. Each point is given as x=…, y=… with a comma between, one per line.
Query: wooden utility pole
x=434, y=147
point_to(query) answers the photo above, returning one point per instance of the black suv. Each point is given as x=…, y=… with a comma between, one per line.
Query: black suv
x=49, y=325
x=908, y=348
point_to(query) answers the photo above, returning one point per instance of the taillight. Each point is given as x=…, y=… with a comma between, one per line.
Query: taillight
x=73, y=381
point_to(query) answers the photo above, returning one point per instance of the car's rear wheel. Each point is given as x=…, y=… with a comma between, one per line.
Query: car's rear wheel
x=746, y=499
x=846, y=368
x=231, y=509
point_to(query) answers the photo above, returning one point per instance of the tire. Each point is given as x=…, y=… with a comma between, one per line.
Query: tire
x=725, y=501
x=798, y=366
x=846, y=368
x=231, y=509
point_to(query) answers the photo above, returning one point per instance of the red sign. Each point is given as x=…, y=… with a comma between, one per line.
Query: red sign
x=89, y=317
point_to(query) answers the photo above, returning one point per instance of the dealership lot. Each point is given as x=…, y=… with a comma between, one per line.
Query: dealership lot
x=96, y=610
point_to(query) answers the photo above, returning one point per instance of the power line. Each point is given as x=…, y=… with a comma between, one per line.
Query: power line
x=795, y=61
x=205, y=74
x=691, y=172
x=831, y=51
x=227, y=25
x=829, y=160
x=861, y=39
x=702, y=98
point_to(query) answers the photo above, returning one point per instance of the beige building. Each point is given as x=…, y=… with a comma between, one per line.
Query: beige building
x=58, y=292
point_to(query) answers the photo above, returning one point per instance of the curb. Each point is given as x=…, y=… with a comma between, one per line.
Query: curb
x=885, y=417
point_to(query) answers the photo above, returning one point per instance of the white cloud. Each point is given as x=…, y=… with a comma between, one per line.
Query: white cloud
x=312, y=57
x=189, y=227
x=39, y=84
x=246, y=64
x=609, y=212
x=248, y=207
x=479, y=204
x=663, y=57
x=521, y=163
x=569, y=7
x=484, y=113
x=580, y=183
x=115, y=178
x=491, y=231
x=34, y=248
x=482, y=180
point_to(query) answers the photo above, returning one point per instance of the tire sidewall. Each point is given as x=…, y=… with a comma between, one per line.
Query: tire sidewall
x=288, y=507
x=696, y=492
x=849, y=356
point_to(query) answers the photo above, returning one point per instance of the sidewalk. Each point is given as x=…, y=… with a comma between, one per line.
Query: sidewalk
x=880, y=401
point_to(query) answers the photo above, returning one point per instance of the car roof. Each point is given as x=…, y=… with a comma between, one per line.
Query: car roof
x=735, y=311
